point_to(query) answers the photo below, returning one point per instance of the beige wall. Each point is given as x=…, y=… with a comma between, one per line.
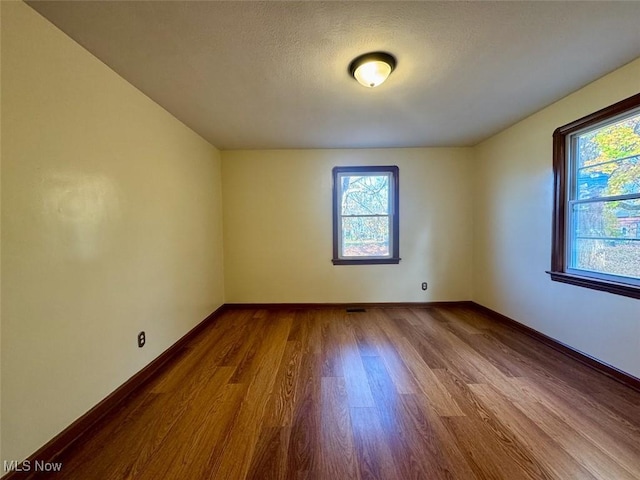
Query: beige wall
x=111, y=224
x=513, y=208
x=278, y=231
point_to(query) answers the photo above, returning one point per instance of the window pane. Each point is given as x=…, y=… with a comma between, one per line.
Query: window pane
x=365, y=237
x=613, y=258
x=608, y=160
x=611, y=142
x=619, y=177
x=365, y=194
x=606, y=237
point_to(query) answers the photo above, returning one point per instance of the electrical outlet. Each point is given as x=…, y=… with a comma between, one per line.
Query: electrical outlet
x=141, y=339
x=424, y=285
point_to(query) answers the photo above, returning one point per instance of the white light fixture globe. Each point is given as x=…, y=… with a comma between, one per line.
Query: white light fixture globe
x=371, y=69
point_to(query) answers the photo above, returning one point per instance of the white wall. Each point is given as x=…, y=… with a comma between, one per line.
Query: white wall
x=278, y=230
x=512, y=247
x=111, y=224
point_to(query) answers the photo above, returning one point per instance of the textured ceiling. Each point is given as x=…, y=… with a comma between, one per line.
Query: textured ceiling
x=248, y=75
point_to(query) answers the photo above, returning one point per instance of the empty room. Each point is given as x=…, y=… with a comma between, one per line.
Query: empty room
x=320, y=240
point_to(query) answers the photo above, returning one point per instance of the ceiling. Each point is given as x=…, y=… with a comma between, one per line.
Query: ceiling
x=263, y=75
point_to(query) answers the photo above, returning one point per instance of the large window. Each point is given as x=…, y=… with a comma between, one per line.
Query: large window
x=596, y=238
x=365, y=215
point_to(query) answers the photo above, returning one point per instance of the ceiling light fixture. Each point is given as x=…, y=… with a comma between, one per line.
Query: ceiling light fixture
x=371, y=69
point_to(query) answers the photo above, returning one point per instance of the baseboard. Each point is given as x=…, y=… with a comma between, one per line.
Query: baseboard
x=65, y=439
x=584, y=358
x=61, y=442
x=312, y=306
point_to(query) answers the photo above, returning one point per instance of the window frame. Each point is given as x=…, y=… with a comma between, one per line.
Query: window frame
x=394, y=234
x=562, y=180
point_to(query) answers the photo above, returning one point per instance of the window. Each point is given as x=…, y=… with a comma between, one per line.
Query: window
x=365, y=215
x=596, y=163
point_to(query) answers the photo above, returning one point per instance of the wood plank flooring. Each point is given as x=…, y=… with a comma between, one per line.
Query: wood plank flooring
x=389, y=393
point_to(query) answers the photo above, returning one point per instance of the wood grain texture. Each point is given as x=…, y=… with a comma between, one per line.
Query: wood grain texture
x=437, y=392
x=599, y=365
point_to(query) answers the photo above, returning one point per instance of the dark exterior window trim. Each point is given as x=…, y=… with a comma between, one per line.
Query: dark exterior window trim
x=558, y=270
x=395, y=221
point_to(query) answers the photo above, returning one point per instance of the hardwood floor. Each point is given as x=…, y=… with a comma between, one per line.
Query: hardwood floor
x=389, y=393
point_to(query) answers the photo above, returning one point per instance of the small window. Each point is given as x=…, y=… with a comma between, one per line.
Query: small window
x=365, y=215
x=597, y=200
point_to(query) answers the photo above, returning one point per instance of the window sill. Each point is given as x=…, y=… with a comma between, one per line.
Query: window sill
x=597, y=284
x=366, y=261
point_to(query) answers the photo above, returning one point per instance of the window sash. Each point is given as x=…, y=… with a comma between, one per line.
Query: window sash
x=341, y=246
x=389, y=214
x=572, y=250
x=619, y=279
x=612, y=198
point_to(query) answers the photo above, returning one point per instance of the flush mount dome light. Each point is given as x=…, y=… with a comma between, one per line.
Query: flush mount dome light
x=371, y=69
